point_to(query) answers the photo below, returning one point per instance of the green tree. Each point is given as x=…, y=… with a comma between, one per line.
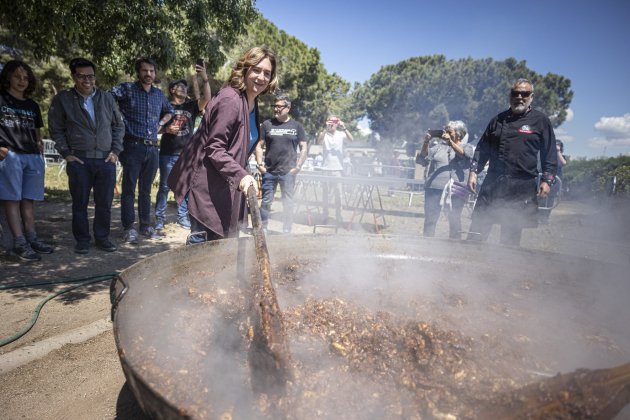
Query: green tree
x=115, y=32
x=404, y=99
x=592, y=177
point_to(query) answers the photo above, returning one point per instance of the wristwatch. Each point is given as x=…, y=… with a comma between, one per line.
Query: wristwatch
x=548, y=178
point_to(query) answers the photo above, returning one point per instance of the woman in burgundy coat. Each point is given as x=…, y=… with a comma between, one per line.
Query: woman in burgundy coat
x=211, y=169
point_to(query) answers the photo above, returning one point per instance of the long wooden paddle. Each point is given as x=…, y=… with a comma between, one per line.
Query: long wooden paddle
x=270, y=338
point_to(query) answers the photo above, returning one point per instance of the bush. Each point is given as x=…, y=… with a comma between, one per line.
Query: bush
x=592, y=177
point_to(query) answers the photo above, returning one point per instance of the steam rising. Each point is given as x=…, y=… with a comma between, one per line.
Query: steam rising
x=184, y=323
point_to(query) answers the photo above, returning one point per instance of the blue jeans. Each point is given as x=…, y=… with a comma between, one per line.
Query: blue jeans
x=166, y=165
x=140, y=164
x=287, y=185
x=99, y=176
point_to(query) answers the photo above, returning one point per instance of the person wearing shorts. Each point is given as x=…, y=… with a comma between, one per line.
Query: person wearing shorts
x=21, y=159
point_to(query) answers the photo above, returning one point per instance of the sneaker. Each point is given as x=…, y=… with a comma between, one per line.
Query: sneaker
x=196, y=238
x=106, y=245
x=184, y=222
x=150, y=233
x=40, y=247
x=25, y=253
x=131, y=236
x=159, y=229
x=82, y=247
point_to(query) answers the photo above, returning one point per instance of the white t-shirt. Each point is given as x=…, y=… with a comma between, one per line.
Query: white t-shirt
x=333, y=151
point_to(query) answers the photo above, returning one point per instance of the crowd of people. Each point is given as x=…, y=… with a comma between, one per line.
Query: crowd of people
x=93, y=129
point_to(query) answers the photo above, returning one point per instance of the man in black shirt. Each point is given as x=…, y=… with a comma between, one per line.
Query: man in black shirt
x=512, y=145
x=175, y=134
x=280, y=137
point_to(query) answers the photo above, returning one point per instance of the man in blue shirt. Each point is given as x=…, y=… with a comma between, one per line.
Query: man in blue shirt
x=145, y=110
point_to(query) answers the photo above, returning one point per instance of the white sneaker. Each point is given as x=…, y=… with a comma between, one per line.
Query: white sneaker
x=131, y=236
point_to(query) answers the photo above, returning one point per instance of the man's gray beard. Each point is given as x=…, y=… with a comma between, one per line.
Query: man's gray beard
x=519, y=109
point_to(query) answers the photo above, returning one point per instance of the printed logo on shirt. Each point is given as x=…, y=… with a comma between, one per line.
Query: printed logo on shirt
x=526, y=129
x=16, y=117
x=180, y=122
x=283, y=132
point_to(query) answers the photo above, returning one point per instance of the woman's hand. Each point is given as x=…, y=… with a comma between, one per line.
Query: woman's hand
x=4, y=151
x=472, y=182
x=245, y=183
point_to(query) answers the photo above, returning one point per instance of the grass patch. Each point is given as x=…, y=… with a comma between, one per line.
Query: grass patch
x=56, y=184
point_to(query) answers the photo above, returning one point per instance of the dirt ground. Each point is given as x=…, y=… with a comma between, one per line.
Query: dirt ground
x=67, y=366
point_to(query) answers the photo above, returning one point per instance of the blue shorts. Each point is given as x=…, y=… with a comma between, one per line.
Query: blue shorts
x=22, y=177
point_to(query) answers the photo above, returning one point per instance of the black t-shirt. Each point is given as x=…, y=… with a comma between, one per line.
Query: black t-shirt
x=281, y=142
x=184, y=118
x=19, y=120
x=512, y=144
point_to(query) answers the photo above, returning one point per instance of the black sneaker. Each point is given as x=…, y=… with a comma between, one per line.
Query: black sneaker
x=25, y=253
x=40, y=247
x=106, y=245
x=82, y=247
x=150, y=233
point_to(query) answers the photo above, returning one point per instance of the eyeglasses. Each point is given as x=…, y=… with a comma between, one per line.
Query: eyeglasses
x=279, y=107
x=85, y=76
x=521, y=93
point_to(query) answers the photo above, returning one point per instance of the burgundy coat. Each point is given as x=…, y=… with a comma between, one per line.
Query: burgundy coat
x=212, y=164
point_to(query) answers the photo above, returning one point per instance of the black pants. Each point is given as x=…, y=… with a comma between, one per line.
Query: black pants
x=140, y=164
x=510, y=202
x=91, y=175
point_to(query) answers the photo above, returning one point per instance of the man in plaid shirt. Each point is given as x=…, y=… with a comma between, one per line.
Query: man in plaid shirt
x=145, y=110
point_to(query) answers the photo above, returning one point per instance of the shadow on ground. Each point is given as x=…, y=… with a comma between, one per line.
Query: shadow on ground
x=54, y=225
x=127, y=407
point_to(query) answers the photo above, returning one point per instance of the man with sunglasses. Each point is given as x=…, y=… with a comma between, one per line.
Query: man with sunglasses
x=88, y=130
x=514, y=144
x=281, y=136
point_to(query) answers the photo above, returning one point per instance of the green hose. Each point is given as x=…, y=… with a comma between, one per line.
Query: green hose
x=82, y=282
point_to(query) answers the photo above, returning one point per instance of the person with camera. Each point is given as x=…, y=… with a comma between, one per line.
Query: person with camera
x=448, y=157
x=175, y=134
x=332, y=138
x=512, y=145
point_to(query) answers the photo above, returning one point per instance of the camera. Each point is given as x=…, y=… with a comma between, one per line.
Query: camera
x=200, y=62
x=436, y=133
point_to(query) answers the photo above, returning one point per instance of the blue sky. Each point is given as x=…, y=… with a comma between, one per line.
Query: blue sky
x=586, y=41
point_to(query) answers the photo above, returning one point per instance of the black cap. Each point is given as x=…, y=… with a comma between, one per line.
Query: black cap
x=176, y=82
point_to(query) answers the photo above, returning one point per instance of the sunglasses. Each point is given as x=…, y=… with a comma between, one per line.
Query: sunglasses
x=521, y=93
x=279, y=106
